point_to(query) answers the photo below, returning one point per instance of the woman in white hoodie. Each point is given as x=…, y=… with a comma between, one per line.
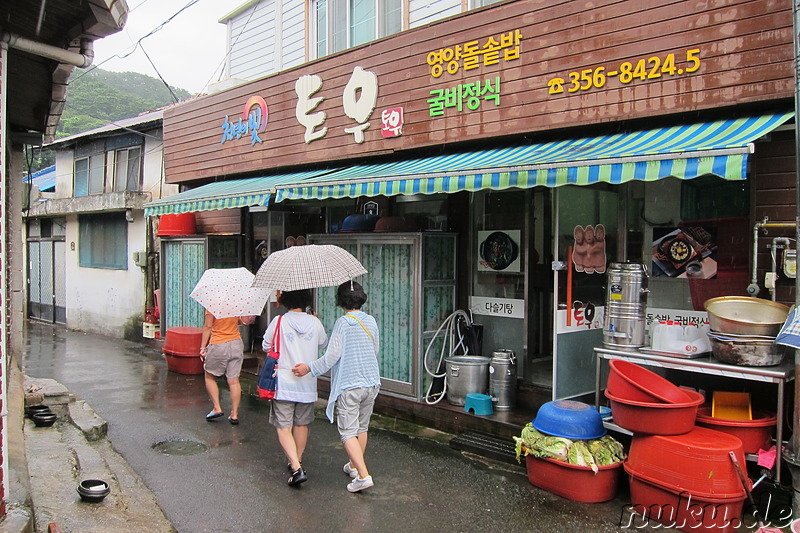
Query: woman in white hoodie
x=301, y=337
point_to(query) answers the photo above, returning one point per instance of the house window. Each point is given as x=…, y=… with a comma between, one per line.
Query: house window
x=128, y=169
x=482, y=3
x=89, y=175
x=342, y=24
x=103, y=241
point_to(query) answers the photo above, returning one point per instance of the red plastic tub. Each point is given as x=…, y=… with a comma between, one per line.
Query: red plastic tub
x=630, y=381
x=755, y=434
x=576, y=483
x=177, y=224
x=683, y=510
x=184, y=364
x=697, y=462
x=656, y=418
x=184, y=340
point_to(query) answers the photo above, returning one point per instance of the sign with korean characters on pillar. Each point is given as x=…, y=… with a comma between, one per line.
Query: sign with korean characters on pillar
x=502, y=307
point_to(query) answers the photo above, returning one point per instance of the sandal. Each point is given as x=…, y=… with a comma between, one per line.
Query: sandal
x=233, y=421
x=297, y=477
x=212, y=415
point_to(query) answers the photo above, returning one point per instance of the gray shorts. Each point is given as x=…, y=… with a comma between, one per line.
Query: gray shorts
x=285, y=414
x=225, y=358
x=354, y=409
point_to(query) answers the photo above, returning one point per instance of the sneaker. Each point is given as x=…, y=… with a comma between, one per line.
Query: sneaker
x=297, y=477
x=349, y=470
x=360, y=484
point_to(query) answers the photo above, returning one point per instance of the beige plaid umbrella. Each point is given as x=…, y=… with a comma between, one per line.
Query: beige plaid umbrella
x=228, y=292
x=307, y=267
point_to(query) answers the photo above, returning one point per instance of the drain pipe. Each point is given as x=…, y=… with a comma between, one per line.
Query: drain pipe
x=80, y=59
x=67, y=61
x=753, y=289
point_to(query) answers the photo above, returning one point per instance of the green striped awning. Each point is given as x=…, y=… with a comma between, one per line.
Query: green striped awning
x=224, y=194
x=719, y=148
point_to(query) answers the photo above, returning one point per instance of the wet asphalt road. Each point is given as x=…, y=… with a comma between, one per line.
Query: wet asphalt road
x=237, y=481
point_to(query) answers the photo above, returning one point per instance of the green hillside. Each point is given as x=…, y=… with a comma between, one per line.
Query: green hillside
x=96, y=97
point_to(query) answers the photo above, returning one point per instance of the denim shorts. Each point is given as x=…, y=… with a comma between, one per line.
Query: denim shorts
x=354, y=409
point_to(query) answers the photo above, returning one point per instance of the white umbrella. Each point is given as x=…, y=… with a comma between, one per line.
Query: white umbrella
x=308, y=267
x=228, y=292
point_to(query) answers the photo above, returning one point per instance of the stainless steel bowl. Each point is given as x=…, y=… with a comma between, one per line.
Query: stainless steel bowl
x=743, y=315
x=93, y=490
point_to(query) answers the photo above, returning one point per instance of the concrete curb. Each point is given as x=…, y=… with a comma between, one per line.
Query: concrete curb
x=73, y=449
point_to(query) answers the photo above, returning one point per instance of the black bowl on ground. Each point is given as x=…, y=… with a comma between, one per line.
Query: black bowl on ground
x=33, y=409
x=93, y=490
x=44, y=419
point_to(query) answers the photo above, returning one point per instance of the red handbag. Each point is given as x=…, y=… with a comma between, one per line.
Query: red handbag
x=268, y=378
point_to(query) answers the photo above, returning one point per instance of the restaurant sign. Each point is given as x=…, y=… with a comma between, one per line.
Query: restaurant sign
x=511, y=70
x=359, y=98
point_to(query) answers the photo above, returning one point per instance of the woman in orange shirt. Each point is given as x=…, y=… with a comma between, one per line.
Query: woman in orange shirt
x=222, y=351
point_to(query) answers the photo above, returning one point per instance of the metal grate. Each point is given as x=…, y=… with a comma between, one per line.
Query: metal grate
x=485, y=445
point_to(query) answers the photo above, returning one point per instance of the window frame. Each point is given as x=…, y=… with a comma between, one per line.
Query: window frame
x=91, y=180
x=121, y=185
x=103, y=241
x=382, y=7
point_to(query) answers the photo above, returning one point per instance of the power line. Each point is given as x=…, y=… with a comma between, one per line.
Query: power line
x=230, y=50
x=138, y=42
x=174, y=98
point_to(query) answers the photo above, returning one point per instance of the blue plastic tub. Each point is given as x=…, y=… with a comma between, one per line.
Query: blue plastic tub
x=569, y=419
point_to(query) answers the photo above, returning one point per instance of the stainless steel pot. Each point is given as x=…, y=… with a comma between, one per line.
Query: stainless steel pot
x=743, y=315
x=746, y=350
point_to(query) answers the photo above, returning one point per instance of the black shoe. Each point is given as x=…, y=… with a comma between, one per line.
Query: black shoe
x=297, y=477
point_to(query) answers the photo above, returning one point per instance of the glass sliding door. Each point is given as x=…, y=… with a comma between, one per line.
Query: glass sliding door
x=410, y=286
x=587, y=220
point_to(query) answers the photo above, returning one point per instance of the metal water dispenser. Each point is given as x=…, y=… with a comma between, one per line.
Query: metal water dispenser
x=626, y=302
x=503, y=379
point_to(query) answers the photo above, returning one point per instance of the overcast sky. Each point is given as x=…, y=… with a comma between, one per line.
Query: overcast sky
x=188, y=51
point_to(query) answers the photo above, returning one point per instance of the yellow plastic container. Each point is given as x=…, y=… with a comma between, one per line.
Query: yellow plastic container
x=732, y=406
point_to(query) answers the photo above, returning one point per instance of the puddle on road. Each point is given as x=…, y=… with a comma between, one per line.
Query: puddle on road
x=180, y=447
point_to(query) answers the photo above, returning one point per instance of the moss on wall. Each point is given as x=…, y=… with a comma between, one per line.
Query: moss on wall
x=132, y=329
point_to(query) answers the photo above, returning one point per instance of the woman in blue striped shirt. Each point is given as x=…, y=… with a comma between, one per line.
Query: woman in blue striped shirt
x=352, y=357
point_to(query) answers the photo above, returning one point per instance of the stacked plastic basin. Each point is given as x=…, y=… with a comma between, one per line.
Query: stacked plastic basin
x=182, y=350
x=680, y=475
x=575, y=421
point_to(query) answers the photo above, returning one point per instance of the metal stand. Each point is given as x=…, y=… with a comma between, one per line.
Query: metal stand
x=779, y=375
